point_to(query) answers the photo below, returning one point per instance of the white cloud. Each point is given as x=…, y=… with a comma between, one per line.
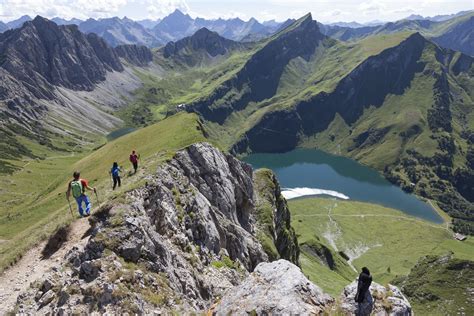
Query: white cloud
x=323, y=10
x=159, y=8
x=11, y=9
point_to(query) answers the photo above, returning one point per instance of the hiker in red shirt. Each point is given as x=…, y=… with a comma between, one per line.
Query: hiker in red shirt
x=134, y=160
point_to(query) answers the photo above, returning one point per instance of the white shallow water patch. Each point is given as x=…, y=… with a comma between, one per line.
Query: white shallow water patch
x=292, y=193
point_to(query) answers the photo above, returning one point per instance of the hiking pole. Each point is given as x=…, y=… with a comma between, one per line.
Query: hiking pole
x=97, y=197
x=70, y=208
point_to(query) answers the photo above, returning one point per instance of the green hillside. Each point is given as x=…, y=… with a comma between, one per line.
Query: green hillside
x=34, y=203
x=385, y=240
x=415, y=125
x=440, y=285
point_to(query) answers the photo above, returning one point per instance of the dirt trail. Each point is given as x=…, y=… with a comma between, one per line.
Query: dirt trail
x=31, y=266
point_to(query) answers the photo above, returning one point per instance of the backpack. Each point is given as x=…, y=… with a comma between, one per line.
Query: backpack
x=115, y=172
x=76, y=188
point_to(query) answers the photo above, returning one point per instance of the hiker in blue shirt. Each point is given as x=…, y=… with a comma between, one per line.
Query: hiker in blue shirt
x=115, y=172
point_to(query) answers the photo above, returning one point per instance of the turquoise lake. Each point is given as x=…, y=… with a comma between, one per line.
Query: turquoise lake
x=324, y=174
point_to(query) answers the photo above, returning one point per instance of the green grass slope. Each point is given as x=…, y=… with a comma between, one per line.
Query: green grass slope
x=399, y=104
x=440, y=285
x=34, y=204
x=385, y=240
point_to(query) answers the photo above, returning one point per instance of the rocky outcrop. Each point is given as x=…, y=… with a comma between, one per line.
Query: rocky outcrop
x=134, y=54
x=382, y=301
x=274, y=220
x=277, y=288
x=177, y=244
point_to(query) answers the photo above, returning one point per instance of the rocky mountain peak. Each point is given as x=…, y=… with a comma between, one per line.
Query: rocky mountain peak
x=41, y=53
x=261, y=74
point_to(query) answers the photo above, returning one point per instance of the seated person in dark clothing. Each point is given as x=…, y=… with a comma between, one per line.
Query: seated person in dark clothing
x=363, y=296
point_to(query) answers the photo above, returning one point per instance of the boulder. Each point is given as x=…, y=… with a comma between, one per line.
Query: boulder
x=89, y=270
x=277, y=288
x=383, y=301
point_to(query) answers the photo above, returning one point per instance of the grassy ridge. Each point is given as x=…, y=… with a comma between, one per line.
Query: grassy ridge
x=387, y=241
x=39, y=205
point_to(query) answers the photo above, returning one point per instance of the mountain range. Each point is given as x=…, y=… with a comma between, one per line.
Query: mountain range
x=455, y=32
x=397, y=99
x=451, y=31
x=299, y=81
x=177, y=25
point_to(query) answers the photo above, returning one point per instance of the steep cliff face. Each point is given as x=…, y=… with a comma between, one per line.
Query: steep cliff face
x=179, y=242
x=41, y=54
x=134, y=54
x=276, y=234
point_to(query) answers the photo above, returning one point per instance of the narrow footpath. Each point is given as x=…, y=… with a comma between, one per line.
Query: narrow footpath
x=32, y=266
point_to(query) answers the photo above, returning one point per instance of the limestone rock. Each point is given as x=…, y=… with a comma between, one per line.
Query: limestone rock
x=385, y=300
x=277, y=288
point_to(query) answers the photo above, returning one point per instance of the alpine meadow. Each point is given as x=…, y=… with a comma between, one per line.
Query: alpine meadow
x=173, y=162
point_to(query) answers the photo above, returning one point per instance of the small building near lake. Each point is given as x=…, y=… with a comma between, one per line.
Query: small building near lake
x=459, y=237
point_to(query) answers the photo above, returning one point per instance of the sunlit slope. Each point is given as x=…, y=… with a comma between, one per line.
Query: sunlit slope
x=387, y=241
x=40, y=206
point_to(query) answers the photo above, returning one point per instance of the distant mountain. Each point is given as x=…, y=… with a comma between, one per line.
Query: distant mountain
x=455, y=32
x=199, y=47
x=347, y=24
x=271, y=23
x=60, y=21
x=460, y=37
x=18, y=22
x=179, y=25
x=148, y=23
x=347, y=33
x=414, y=17
x=438, y=18
x=175, y=26
x=118, y=31
x=3, y=27
x=135, y=55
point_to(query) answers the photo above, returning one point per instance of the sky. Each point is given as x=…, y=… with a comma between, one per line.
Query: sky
x=280, y=10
